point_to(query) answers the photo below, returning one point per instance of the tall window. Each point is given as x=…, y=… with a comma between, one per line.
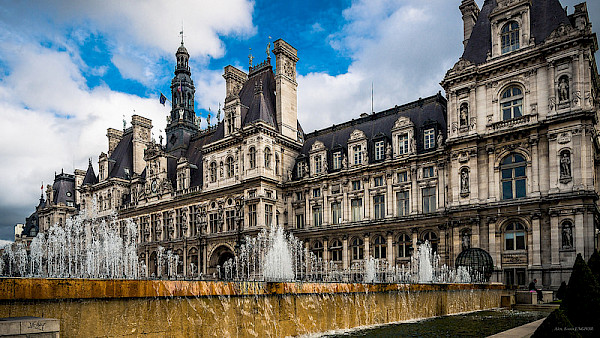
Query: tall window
x=514, y=236
x=317, y=249
x=512, y=103
x=356, y=185
x=403, y=144
x=299, y=221
x=379, y=150
x=357, y=150
x=429, y=138
x=358, y=250
x=337, y=160
x=378, y=181
x=379, y=204
x=268, y=158
x=230, y=167
x=213, y=222
x=336, y=213
x=318, y=164
x=230, y=220
x=404, y=246
x=510, y=37
x=252, y=157
x=433, y=240
x=300, y=169
x=213, y=172
x=357, y=212
x=402, y=203
x=336, y=250
x=379, y=249
x=428, y=200
x=513, y=176
x=252, y=219
x=317, y=216
x=268, y=214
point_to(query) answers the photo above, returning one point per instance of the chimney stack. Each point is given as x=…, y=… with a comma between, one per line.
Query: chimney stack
x=470, y=12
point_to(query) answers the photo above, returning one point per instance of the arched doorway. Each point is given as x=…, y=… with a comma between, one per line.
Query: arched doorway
x=218, y=258
x=152, y=268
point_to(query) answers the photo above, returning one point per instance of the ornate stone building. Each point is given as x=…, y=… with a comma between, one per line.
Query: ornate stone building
x=507, y=162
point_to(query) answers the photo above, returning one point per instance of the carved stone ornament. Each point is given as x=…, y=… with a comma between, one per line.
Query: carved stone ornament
x=564, y=138
x=402, y=122
x=461, y=65
x=318, y=145
x=357, y=135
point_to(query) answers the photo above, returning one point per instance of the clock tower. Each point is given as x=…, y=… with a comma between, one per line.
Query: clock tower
x=181, y=124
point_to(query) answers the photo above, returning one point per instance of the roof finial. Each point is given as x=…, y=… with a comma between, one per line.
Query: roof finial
x=219, y=113
x=124, y=122
x=250, y=57
x=181, y=33
x=269, y=48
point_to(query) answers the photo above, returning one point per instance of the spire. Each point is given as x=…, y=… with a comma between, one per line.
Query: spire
x=90, y=176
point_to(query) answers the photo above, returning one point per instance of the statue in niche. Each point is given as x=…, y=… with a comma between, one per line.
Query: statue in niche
x=466, y=240
x=464, y=181
x=464, y=115
x=345, y=161
x=565, y=164
x=388, y=151
x=567, y=236
x=563, y=89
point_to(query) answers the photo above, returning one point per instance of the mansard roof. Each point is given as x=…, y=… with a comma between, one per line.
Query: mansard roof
x=122, y=157
x=90, y=175
x=545, y=15
x=194, y=154
x=258, y=96
x=63, y=188
x=430, y=111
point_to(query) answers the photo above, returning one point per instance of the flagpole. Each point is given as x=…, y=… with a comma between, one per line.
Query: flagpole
x=166, y=99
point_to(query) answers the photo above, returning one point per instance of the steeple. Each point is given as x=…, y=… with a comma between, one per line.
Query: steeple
x=182, y=122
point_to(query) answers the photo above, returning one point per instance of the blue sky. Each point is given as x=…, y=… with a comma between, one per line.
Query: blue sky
x=70, y=69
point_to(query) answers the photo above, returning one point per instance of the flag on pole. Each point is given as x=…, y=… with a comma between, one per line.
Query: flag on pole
x=162, y=99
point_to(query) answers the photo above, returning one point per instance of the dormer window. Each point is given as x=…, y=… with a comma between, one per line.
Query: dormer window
x=379, y=150
x=510, y=37
x=512, y=103
x=318, y=164
x=357, y=150
x=337, y=160
x=429, y=138
x=402, y=144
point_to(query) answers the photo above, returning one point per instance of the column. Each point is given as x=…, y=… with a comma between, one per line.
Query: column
x=492, y=177
x=553, y=167
x=389, y=199
x=442, y=247
x=579, y=233
x=326, y=205
x=204, y=259
x=390, y=248
x=441, y=187
x=494, y=251
x=536, y=241
x=368, y=201
x=325, y=249
x=345, y=262
x=345, y=204
x=475, y=235
x=415, y=238
x=414, y=190
x=554, y=238
x=456, y=242
x=367, y=248
x=535, y=166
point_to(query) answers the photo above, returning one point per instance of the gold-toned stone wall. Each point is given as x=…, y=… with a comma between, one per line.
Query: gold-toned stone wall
x=244, y=310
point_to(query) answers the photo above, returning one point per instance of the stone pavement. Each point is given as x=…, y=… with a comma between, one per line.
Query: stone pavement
x=523, y=331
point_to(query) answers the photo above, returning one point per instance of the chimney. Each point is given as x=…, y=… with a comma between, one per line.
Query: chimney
x=470, y=12
x=114, y=137
x=234, y=79
x=286, y=57
x=141, y=139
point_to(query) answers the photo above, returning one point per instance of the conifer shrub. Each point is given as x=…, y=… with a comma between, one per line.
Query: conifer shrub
x=582, y=298
x=556, y=325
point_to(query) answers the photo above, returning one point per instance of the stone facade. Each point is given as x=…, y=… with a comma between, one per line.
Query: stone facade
x=507, y=162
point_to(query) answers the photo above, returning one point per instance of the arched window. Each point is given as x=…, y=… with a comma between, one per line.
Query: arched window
x=514, y=236
x=510, y=37
x=213, y=172
x=512, y=103
x=317, y=249
x=230, y=167
x=404, y=246
x=267, y=158
x=513, y=176
x=433, y=240
x=252, y=157
x=567, y=235
x=379, y=248
x=357, y=248
x=336, y=250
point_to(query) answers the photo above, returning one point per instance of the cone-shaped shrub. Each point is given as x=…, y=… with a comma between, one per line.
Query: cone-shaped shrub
x=556, y=325
x=594, y=265
x=582, y=299
x=560, y=294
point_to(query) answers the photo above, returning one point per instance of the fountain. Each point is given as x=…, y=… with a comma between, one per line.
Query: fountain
x=273, y=286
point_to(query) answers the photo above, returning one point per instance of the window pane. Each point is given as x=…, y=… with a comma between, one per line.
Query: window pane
x=517, y=111
x=509, y=243
x=520, y=187
x=506, y=173
x=507, y=190
x=519, y=172
x=520, y=241
x=506, y=114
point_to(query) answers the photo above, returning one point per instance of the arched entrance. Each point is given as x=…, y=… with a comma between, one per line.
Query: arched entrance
x=152, y=266
x=218, y=258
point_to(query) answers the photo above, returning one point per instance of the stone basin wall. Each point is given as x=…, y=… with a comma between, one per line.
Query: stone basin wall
x=231, y=309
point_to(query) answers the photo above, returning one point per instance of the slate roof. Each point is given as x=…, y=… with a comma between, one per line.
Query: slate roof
x=424, y=113
x=122, y=158
x=90, y=176
x=546, y=16
x=64, y=185
x=259, y=103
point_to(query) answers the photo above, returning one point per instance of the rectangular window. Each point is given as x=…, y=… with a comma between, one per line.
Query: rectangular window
x=317, y=216
x=428, y=172
x=403, y=144
x=269, y=193
x=379, y=204
x=335, y=189
x=252, y=219
x=356, y=185
x=378, y=181
x=357, y=154
x=403, y=203
x=357, y=210
x=300, y=169
x=402, y=176
x=251, y=193
x=230, y=220
x=213, y=223
x=429, y=138
x=336, y=213
x=337, y=160
x=299, y=221
x=379, y=150
x=268, y=214
x=300, y=196
x=317, y=192
x=318, y=164
x=428, y=200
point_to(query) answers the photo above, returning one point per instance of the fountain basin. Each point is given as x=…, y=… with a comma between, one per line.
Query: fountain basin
x=89, y=307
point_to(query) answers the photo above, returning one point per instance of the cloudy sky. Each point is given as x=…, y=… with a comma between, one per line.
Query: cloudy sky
x=69, y=69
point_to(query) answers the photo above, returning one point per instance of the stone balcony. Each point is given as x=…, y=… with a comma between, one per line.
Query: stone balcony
x=512, y=123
